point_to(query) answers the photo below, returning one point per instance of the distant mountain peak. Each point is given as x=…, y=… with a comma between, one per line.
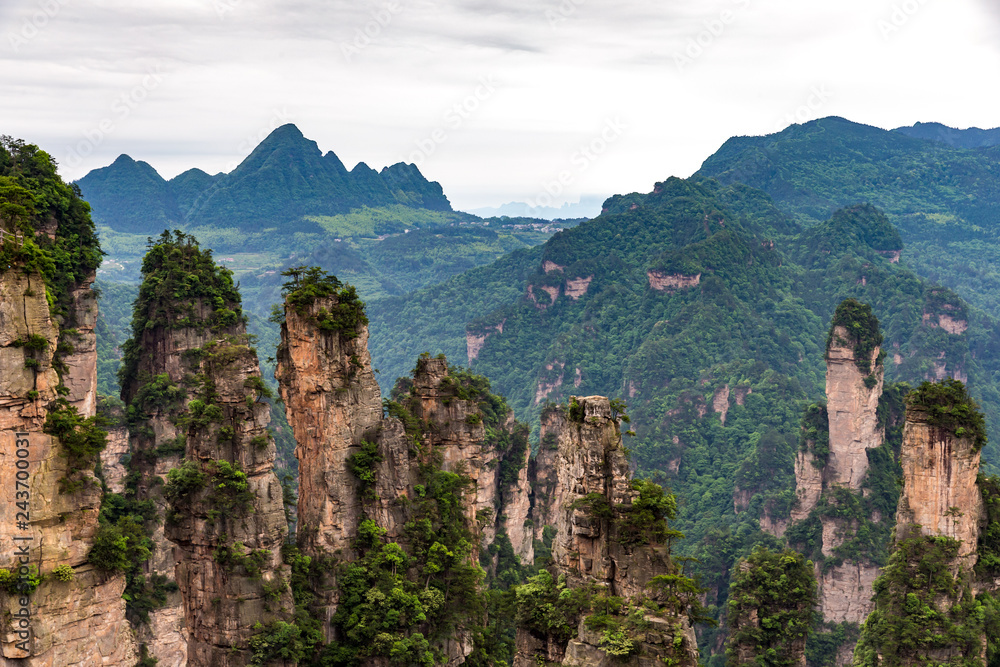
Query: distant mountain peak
x=284, y=179
x=972, y=137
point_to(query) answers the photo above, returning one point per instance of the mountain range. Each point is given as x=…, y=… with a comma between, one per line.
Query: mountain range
x=285, y=179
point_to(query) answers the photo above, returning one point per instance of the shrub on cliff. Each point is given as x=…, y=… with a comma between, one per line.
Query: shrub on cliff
x=308, y=284
x=81, y=438
x=863, y=334
x=117, y=547
x=771, y=603
x=921, y=607
x=948, y=405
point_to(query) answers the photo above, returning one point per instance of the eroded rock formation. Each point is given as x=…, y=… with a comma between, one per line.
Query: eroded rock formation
x=205, y=459
x=584, y=491
x=79, y=621
x=852, y=406
x=360, y=467
x=832, y=467
x=942, y=533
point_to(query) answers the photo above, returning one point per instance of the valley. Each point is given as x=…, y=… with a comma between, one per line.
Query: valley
x=379, y=431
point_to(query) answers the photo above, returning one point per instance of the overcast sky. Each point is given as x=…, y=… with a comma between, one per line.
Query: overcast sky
x=494, y=99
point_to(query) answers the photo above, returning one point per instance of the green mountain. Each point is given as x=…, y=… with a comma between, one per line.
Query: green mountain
x=944, y=200
x=285, y=179
x=675, y=299
x=972, y=137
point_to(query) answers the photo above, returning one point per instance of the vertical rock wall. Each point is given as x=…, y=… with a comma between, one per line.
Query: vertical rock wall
x=940, y=494
x=582, y=461
x=204, y=457
x=852, y=408
x=76, y=622
x=331, y=400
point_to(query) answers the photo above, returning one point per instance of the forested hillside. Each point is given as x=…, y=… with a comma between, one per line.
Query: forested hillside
x=945, y=199
x=285, y=179
x=706, y=309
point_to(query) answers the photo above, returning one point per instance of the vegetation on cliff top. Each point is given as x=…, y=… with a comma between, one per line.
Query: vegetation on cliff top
x=56, y=236
x=771, y=604
x=948, y=405
x=863, y=334
x=182, y=286
x=346, y=314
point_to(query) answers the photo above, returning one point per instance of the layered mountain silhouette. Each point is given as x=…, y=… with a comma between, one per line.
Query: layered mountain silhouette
x=944, y=199
x=972, y=137
x=284, y=179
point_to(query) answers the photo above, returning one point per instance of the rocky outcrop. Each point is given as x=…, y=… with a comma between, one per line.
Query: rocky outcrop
x=832, y=465
x=940, y=495
x=847, y=591
x=80, y=621
x=671, y=282
x=578, y=287
x=720, y=402
x=583, y=489
x=331, y=400
x=942, y=524
x=852, y=406
x=236, y=518
x=808, y=484
x=475, y=340
x=112, y=468
x=202, y=454
x=437, y=426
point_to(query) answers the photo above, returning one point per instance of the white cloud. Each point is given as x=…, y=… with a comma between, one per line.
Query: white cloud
x=564, y=67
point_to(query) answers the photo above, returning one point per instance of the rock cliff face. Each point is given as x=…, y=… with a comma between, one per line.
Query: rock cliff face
x=80, y=621
x=439, y=423
x=205, y=459
x=332, y=400
x=940, y=495
x=851, y=430
x=583, y=490
x=852, y=406
x=942, y=527
x=832, y=471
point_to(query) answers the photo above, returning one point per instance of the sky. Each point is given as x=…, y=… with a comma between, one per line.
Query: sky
x=539, y=101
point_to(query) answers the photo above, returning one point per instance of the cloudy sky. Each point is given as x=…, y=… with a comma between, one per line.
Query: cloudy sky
x=494, y=99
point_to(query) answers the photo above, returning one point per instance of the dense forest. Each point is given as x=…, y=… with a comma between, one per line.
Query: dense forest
x=941, y=195
x=704, y=305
